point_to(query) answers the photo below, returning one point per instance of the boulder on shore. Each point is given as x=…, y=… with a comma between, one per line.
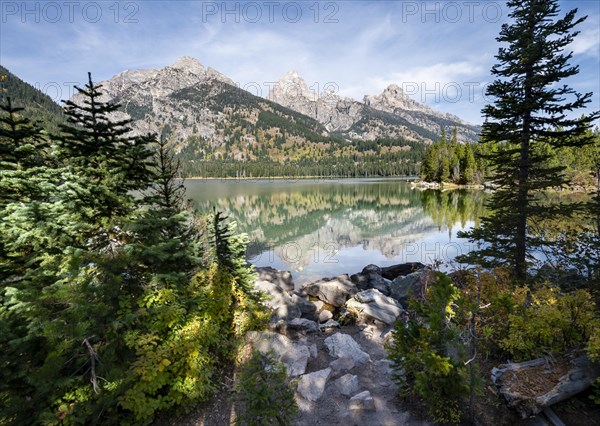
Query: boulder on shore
x=373, y=305
x=282, y=279
x=340, y=345
x=368, y=280
x=393, y=272
x=303, y=325
x=411, y=285
x=334, y=291
x=347, y=385
x=282, y=305
x=307, y=308
x=312, y=385
x=362, y=401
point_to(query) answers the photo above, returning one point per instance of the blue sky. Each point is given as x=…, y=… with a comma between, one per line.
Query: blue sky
x=440, y=52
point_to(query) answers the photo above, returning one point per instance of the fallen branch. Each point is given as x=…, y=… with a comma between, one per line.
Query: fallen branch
x=531, y=386
x=93, y=359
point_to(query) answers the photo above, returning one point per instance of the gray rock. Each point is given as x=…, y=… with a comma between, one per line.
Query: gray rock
x=307, y=308
x=330, y=324
x=371, y=269
x=283, y=279
x=386, y=365
x=340, y=345
x=314, y=352
x=347, y=385
x=292, y=354
x=318, y=305
x=333, y=291
x=380, y=283
x=362, y=401
x=388, y=338
x=341, y=365
x=303, y=324
x=366, y=281
x=393, y=272
x=280, y=302
x=325, y=315
x=412, y=284
x=361, y=281
x=312, y=385
x=372, y=305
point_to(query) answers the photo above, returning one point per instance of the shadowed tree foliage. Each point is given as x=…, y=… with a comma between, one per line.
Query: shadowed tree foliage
x=114, y=303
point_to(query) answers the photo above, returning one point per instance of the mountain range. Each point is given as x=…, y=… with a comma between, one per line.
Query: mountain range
x=219, y=129
x=390, y=114
x=170, y=95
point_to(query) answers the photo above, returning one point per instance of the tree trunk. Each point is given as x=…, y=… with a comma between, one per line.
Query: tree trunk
x=523, y=185
x=522, y=201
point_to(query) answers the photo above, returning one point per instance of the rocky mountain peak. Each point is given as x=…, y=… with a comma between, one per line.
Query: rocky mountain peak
x=395, y=91
x=189, y=64
x=393, y=99
x=292, y=76
x=291, y=88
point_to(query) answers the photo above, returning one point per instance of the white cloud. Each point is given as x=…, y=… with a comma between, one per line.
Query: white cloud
x=587, y=43
x=370, y=47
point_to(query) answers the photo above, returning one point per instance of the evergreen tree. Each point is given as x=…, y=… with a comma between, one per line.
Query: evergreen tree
x=39, y=228
x=430, y=164
x=165, y=242
x=109, y=313
x=21, y=140
x=100, y=147
x=469, y=165
x=530, y=108
x=64, y=277
x=455, y=154
x=444, y=167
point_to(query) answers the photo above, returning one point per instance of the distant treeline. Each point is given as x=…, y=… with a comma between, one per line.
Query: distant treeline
x=339, y=158
x=453, y=162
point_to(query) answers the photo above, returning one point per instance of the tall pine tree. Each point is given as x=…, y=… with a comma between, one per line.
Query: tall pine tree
x=100, y=146
x=530, y=108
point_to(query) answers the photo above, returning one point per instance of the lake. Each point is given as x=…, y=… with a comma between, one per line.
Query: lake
x=318, y=228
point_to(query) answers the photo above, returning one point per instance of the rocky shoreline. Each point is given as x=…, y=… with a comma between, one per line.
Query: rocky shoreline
x=448, y=185
x=331, y=336
x=489, y=186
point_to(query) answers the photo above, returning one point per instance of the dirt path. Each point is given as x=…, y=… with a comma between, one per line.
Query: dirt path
x=333, y=408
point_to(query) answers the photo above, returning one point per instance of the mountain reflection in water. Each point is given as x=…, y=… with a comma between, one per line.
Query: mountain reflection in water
x=319, y=228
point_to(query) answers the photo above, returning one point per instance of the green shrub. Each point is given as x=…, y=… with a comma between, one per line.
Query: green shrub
x=593, y=350
x=547, y=321
x=265, y=392
x=497, y=299
x=184, y=332
x=428, y=354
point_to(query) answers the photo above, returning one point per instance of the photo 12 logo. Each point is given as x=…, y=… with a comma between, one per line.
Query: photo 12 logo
x=70, y=11
x=450, y=92
x=57, y=91
x=270, y=11
x=451, y=11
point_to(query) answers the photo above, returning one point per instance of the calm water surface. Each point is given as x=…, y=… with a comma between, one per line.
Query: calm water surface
x=318, y=228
